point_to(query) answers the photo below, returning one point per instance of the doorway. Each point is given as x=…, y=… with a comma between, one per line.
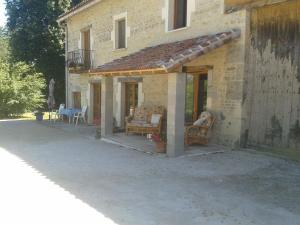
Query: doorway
x=131, y=96
x=196, y=96
x=97, y=103
x=86, y=44
x=77, y=100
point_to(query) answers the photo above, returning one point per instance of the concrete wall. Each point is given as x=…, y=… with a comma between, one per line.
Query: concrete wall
x=272, y=100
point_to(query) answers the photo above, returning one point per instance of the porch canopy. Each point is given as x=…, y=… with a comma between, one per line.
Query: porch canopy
x=166, y=58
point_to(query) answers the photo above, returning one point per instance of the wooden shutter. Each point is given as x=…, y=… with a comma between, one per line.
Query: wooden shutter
x=122, y=34
x=180, y=13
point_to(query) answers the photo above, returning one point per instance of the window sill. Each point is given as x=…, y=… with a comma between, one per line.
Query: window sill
x=179, y=29
x=119, y=49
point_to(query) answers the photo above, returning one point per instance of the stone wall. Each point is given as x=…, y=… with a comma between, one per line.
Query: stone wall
x=147, y=27
x=225, y=91
x=272, y=100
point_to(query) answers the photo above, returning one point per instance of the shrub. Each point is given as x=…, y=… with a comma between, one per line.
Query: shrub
x=20, y=89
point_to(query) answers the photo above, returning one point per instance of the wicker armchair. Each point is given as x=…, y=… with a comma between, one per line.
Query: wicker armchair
x=199, y=134
x=145, y=120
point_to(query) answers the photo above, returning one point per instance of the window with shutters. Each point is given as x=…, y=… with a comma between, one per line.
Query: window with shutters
x=120, y=32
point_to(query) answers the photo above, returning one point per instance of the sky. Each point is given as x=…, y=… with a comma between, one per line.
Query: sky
x=2, y=13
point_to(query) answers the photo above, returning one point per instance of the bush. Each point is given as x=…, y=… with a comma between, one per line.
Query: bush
x=20, y=89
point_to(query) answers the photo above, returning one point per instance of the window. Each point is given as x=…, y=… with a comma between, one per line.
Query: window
x=77, y=100
x=180, y=14
x=120, y=33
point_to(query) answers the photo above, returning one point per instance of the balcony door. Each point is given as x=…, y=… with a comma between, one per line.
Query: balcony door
x=196, y=96
x=131, y=96
x=86, y=44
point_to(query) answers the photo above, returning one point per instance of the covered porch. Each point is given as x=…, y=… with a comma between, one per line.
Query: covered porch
x=166, y=75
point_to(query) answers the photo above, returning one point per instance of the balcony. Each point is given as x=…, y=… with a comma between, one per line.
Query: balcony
x=80, y=60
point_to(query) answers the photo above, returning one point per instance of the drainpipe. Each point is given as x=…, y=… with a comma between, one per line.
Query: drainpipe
x=67, y=66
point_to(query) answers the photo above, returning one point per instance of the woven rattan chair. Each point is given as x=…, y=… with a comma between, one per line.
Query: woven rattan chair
x=199, y=134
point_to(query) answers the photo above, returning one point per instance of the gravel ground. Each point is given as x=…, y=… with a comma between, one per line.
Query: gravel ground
x=51, y=176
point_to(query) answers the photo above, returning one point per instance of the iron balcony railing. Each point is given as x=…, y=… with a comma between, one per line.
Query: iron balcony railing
x=80, y=59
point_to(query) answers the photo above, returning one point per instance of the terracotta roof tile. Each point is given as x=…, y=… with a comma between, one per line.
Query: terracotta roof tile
x=169, y=56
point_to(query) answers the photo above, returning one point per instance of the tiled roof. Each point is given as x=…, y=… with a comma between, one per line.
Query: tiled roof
x=168, y=56
x=79, y=5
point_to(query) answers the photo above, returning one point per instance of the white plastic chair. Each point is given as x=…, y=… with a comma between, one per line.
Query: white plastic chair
x=80, y=115
x=57, y=114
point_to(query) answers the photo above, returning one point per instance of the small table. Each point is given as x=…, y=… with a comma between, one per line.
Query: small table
x=70, y=112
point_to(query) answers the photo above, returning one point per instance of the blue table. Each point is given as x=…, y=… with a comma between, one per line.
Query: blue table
x=70, y=112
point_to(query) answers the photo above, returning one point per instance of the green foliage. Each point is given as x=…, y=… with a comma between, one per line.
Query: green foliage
x=75, y=2
x=37, y=39
x=20, y=89
x=3, y=43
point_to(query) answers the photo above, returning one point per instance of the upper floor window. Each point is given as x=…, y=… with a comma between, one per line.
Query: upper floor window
x=180, y=14
x=177, y=14
x=86, y=39
x=120, y=33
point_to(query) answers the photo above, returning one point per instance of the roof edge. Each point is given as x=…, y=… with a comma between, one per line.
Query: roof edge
x=77, y=9
x=173, y=64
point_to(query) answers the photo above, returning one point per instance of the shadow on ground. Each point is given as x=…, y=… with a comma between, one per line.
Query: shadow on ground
x=133, y=188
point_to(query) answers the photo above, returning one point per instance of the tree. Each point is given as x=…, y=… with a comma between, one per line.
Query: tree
x=3, y=43
x=75, y=2
x=36, y=38
x=20, y=89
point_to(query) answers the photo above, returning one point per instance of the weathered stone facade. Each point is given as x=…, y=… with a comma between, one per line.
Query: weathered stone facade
x=253, y=84
x=146, y=22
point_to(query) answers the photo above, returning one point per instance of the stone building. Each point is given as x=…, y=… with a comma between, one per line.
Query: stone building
x=238, y=59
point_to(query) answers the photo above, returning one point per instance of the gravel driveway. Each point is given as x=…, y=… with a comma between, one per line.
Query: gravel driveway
x=50, y=176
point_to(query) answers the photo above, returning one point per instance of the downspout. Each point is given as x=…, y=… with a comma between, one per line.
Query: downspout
x=66, y=64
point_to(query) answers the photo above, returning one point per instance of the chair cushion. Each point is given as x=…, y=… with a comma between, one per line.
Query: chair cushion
x=140, y=114
x=204, y=119
x=141, y=124
x=136, y=123
x=199, y=122
x=155, y=119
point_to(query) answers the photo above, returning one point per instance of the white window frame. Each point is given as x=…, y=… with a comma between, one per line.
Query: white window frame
x=114, y=34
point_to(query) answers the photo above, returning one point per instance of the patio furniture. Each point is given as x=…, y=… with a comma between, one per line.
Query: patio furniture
x=70, y=112
x=80, y=115
x=57, y=114
x=200, y=131
x=145, y=120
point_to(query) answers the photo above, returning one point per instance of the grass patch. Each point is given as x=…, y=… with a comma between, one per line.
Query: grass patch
x=26, y=116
